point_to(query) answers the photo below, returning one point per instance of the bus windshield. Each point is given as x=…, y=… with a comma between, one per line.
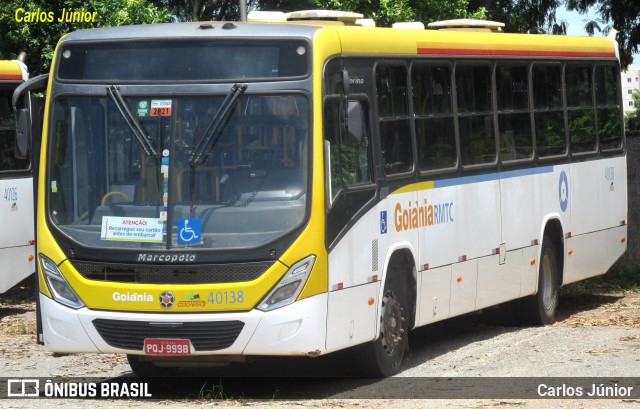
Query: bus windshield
x=107, y=188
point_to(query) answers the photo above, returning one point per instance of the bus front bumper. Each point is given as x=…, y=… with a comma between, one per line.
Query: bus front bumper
x=296, y=329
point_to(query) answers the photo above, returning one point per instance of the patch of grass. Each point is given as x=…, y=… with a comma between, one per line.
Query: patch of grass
x=20, y=328
x=616, y=280
x=212, y=392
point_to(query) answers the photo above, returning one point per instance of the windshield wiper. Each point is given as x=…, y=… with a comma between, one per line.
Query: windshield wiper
x=135, y=127
x=217, y=125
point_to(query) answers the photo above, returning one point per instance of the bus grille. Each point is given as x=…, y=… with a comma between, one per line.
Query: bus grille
x=204, y=336
x=172, y=274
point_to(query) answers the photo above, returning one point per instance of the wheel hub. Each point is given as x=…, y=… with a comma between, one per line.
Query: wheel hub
x=392, y=319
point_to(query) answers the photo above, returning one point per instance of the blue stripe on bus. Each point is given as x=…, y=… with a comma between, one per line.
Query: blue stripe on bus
x=465, y=180
x=526, y=172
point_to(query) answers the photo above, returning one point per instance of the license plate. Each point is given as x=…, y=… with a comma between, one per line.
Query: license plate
x=161, y=346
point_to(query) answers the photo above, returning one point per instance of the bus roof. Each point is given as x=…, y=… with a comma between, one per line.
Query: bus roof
x=373, y=40
x=471, y=44
x=12, y=71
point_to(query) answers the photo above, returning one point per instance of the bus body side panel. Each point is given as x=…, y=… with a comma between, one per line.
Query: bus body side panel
x=477, y=235
x=434, y=295
x=462, y=230
x=597, y=192
x=351, y=318
x=414, y=214
x=355, y=275
x=17, y=235
x=529, y=198
x=593, y=254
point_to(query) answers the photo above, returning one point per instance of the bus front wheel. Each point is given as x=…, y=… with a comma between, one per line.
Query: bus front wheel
x=383, y=356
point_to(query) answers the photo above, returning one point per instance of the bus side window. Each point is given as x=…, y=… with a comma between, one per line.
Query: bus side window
x=349, y=155
x=582, y=123
x=514, y=121
x=549, y=115
x=395, y=129
x=475, y=119
x=435, y=135
x=608, y=107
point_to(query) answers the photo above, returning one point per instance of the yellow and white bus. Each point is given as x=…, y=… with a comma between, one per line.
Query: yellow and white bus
x=17, y=258
x=213, y=191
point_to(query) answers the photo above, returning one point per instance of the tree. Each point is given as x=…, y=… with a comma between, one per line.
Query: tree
x=386, y=12
x=523, y=16
x=200, y=10
x=632, y=119
x=218, y=10
x=623, y=15
x=39, y=38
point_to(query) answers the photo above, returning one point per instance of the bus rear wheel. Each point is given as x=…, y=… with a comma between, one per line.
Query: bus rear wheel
x=383, y=356
x=540, y=309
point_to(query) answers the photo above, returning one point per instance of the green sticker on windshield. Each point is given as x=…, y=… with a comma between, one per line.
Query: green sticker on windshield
x=142, y=108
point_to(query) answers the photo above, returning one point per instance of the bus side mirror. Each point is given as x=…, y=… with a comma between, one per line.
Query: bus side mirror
x=21, y=101
x=23, y=133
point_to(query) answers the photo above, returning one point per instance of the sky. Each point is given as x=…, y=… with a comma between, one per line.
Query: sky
x=576, y=23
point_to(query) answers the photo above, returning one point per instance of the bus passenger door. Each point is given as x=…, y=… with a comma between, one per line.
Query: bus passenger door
x=351, y=224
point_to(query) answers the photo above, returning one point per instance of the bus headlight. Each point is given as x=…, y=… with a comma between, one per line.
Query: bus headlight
x=58, y=285
x=287, y=290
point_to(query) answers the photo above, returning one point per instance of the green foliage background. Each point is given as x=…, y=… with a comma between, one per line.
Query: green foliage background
x=38, y=40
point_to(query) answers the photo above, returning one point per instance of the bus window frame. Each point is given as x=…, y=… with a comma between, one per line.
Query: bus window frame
x=562, y=107
x=492, y=112
x=618, y=107
x=568, y=109
x=527, y=63
x=393, y=62
x=366, y=103
x=416, y=63
x=334, y=205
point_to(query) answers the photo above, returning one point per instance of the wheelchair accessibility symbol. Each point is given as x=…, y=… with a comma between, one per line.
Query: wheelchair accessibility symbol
x=189, y=231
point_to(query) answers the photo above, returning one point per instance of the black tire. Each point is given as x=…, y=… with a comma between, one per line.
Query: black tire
x=147, y=369
x=383, y=356
x=540, y=308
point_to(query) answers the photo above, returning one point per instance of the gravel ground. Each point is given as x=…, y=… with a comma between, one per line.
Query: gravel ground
x=595, y=336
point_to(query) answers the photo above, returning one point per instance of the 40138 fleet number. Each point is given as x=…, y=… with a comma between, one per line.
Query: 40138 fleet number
x=226, y=297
